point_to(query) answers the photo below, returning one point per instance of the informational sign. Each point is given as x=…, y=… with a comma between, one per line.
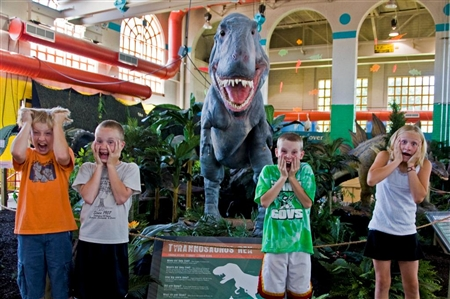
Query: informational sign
x=442, y=228
x=384, y=48
x=206, y=268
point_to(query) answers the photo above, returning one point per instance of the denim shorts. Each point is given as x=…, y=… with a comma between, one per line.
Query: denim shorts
x=39, y=255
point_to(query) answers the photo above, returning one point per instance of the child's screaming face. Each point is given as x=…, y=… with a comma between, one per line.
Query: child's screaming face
x=409, y=144
x=289, y=151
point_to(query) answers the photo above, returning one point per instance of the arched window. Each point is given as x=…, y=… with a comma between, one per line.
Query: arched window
x=142, y=38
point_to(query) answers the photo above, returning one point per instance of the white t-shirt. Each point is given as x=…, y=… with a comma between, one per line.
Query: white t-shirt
x=395, y=209
x=106, y=222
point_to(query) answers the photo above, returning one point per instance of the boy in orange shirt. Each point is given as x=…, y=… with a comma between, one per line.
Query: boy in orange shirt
x=44, y=218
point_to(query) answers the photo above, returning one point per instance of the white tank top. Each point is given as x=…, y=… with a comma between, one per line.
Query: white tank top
x=395, y=209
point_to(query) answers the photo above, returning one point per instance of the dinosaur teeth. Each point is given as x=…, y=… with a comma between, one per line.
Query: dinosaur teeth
x=232, y=82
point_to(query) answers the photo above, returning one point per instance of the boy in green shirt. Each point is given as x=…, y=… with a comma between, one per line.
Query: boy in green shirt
x=287, y=192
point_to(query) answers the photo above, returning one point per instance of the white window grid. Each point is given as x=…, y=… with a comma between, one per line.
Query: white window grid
x=142, y=38
x=362, y=91
x=413, y=93
x=324, y=104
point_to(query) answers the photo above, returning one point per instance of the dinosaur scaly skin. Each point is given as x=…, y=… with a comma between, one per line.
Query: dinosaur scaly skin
x=234, y=129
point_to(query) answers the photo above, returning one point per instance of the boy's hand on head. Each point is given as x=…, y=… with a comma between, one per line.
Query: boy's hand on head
x=282, y=167
x=59, y=118
x=27, y=116
x=95, y=152
x=295, y=166
x=114, y=156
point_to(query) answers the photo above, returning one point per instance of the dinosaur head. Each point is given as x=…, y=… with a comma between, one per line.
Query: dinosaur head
x=226, y=272
x=238, y=64
x=438, y=168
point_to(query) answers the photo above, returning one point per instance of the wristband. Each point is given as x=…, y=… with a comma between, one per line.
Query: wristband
x=410, y=168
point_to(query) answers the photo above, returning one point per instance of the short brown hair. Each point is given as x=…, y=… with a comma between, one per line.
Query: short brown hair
x=290, y=136
x=110, y=123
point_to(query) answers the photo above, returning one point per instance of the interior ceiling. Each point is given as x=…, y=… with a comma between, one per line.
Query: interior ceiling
x=413, y=20
x=312, y=28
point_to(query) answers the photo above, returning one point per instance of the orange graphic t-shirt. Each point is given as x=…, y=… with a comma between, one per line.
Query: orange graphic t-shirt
x=43, y=204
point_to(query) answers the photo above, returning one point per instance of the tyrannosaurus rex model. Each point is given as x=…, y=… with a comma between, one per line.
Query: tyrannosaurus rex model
x=234, y=129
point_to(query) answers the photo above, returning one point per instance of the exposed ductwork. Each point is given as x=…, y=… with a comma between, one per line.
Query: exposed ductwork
x=35, y=68
x=63, y=42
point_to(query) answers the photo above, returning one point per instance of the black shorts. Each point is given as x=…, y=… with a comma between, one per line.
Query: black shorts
x=101, y=271
x=386, y=247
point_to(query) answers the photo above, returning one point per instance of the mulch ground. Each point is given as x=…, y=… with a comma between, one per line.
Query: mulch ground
x=8, y=256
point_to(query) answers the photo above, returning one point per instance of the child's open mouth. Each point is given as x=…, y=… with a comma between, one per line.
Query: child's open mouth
x=42, y=147
x=103, y=156
x=407, y=154
x=288, y=166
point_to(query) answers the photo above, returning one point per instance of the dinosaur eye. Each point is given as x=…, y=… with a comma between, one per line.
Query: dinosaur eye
x=253, y=31
x=222, y=33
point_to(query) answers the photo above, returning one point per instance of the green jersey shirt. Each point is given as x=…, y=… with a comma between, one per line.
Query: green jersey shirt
x=286, y=223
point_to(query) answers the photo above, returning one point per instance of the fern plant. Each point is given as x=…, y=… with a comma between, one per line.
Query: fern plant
x=357, y=281
x=397, y=119
x=429, y=281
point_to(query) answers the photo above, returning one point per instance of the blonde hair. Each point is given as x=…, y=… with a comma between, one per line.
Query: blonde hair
x=113, y=125
x=408, y=128
x=289, y=136
x=43, y=115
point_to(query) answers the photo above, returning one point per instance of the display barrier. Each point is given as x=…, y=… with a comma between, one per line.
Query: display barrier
x=442, y=232
x=441, y=228
x=206, y=268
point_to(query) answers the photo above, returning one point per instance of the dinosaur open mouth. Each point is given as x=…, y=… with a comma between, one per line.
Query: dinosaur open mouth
x=224, y=277
x=237, y=93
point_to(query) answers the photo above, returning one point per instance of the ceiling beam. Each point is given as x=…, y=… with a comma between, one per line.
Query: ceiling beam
x=87, y=13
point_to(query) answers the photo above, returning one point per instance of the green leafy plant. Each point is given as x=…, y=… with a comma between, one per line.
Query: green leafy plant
x=326, y=159
x=179, y=149
x=145, y=146
x=397, y=119
x=429, y=281
x=356, y=279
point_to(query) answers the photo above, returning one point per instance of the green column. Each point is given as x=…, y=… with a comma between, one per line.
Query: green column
x=441, y=123
x=342, y=117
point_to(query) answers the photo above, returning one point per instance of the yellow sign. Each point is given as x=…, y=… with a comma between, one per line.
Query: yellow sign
x=386, y=48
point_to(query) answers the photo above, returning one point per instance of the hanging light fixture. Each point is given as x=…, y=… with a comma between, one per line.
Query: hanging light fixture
x=394, y=31
x=391, y=4
x=262, y=8
x=207, y=16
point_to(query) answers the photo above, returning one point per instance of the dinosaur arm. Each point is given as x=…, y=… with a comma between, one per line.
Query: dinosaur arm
x=259, y=146
x=380, y=168
x=418, y=182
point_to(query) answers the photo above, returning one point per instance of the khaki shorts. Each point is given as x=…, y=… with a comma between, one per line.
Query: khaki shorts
x=285, y=273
